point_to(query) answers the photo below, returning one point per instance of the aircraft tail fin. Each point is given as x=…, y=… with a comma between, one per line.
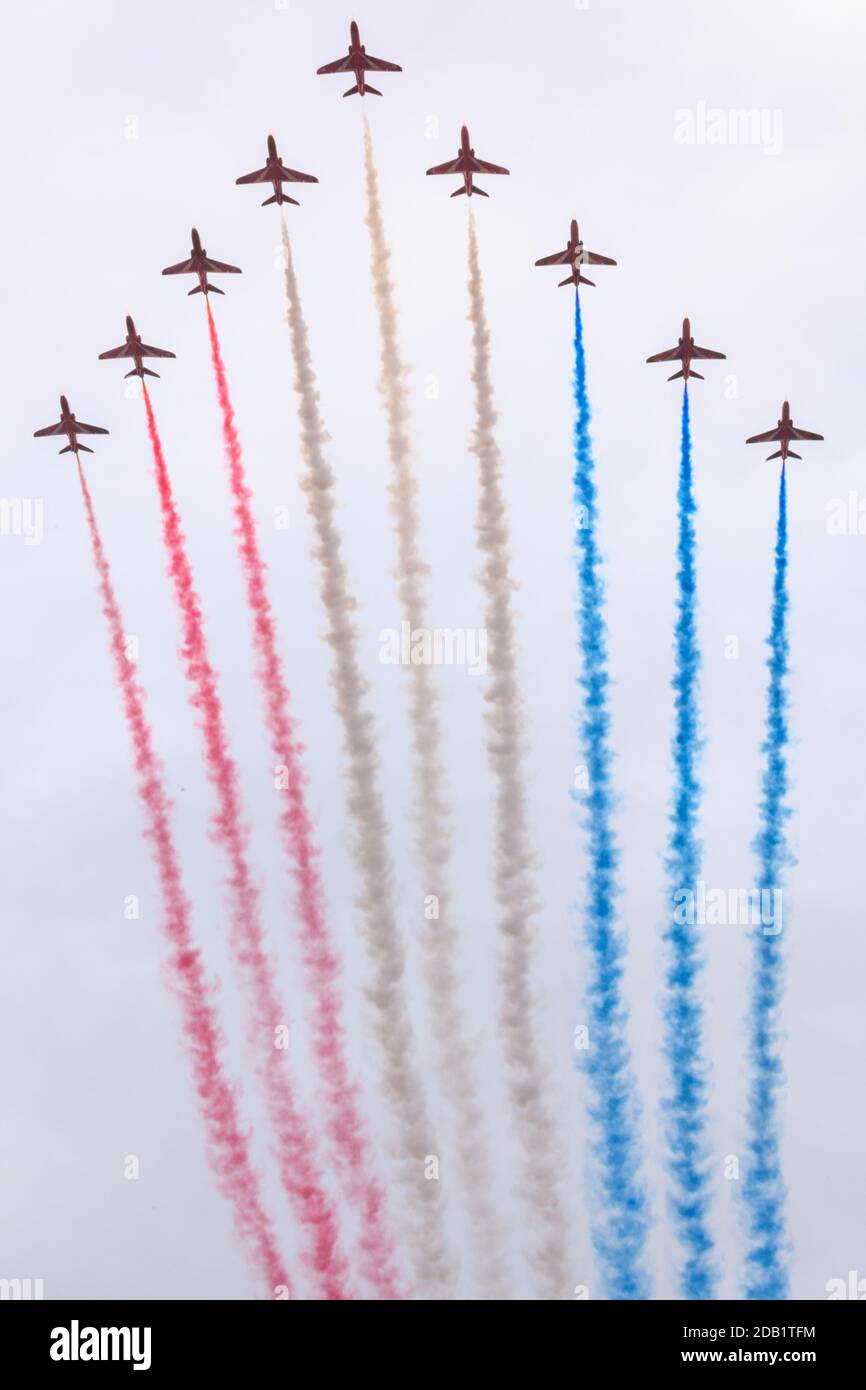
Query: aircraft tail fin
x=457, y=192
x=677, y=375
x=576, y=279
x=283, y=198
x=374, y=91
x=351, y=92
x=145, y=371
x=778, y=455
x=76, y=449
x=197, y=290
x=697, y=374
x=473, y=188
x=214, y=289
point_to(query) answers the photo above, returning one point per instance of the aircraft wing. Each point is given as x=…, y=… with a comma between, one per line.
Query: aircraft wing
x=379, y=64
x=560, y=258
x=146, y=351
x=125, y=351
x=220, y=266
x=454, y=166
x=182, y=268
x=259, y=176
x=804, y=434
x=81, y=428
x=294, y=176
x=706, y=352
x=49, y=429
x=339, y=65
x=672, y=355
x=481, y=166
x=590, y=258
x=766, y=437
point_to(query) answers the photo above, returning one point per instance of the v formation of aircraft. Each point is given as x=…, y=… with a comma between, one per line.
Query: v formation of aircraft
x=359, y=62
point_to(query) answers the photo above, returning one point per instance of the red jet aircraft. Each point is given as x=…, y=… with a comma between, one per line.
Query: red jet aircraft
x=467, y=165
x=68, y=425
x=784, y=432
x=199, y=264
x=136, y=349
x=685, y=352
x=575, y=256
x=359, y=61
x=276, y=173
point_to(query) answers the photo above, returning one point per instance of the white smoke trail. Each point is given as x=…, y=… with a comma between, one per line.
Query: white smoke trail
x=526, y=1075
x=422, y=1207
x=433, y=814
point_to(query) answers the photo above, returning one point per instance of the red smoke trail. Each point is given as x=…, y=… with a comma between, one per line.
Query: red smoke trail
x=298, y=1166
x=227, y=1143
x=344, y=1119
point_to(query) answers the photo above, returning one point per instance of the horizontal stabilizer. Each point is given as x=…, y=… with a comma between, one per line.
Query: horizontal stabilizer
x=145, y=371
x=351, y=92
x=582, y=280
x=197, y=290
x=374, y=91
x=569, y=281
x=457, y=192
x=282, y=199
x=676, y=375
x=76, y=449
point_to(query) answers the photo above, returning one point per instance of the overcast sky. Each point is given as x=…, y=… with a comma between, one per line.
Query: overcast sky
x=123, y=124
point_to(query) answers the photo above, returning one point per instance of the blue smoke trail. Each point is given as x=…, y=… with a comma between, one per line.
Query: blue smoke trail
x=620, y=1231
x=764, y=1189
x=685, y=1103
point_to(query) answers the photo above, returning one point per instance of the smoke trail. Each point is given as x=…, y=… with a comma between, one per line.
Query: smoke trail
x=346, y=1132
x=764, y=1188
x=623, y=1219
x=685, y=1103
x=296, y=1157
x=414, y=1142
x=433, y=816
x=227, y=1143
x=526, y=1075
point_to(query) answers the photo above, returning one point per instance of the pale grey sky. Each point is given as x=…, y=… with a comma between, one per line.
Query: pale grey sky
x=761, y=247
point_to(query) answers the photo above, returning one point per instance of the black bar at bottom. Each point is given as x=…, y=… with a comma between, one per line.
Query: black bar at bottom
x=70, y=1337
